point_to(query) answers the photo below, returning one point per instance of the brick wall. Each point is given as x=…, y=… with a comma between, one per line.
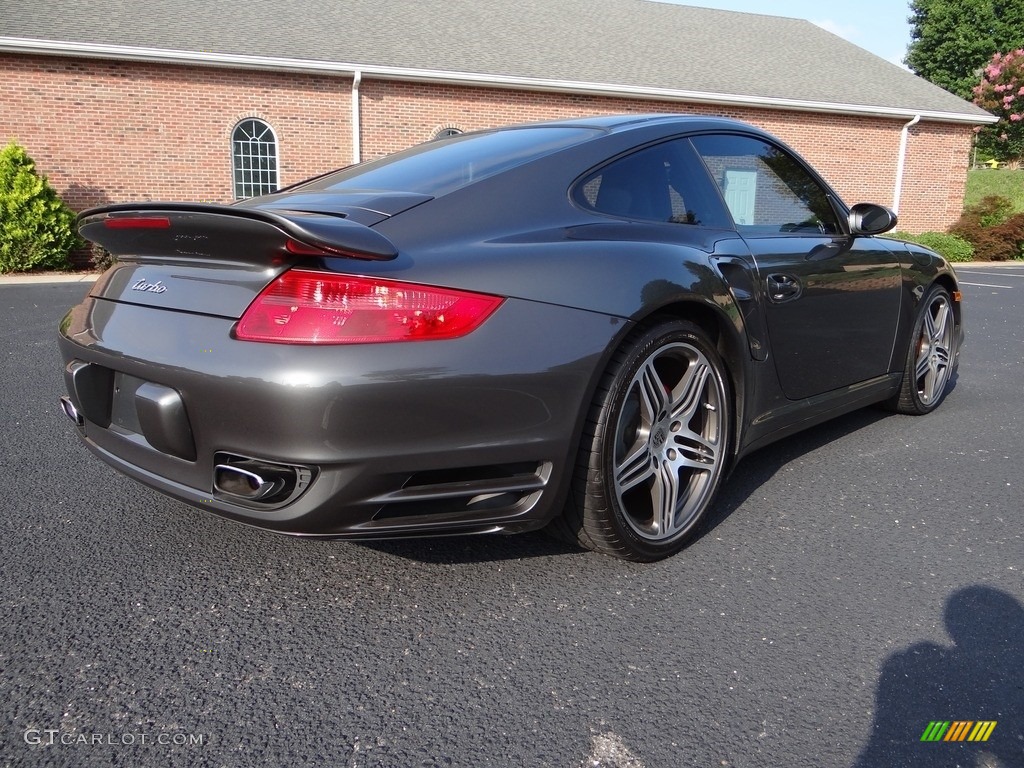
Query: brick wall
x=107, y=131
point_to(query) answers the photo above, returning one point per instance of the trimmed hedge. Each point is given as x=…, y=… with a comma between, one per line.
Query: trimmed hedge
x=37, y=230
x=951, y=247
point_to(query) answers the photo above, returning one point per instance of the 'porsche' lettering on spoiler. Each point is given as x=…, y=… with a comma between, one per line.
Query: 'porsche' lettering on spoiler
x=225, y=231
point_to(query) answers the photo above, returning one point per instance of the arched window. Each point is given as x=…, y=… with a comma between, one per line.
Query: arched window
x=444, y=133
x=254, y=159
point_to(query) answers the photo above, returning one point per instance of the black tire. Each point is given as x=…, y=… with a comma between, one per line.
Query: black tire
x=655, y=445
x=931, y=357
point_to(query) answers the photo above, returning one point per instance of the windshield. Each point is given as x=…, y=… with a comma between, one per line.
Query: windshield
x=437, y=167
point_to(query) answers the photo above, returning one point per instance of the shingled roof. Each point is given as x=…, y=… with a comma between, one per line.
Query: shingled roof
x=637, y=48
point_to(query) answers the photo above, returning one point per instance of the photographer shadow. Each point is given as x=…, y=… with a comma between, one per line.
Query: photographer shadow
x=978, y=678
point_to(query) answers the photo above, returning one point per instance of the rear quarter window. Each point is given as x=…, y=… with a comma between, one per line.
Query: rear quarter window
x=663, y=183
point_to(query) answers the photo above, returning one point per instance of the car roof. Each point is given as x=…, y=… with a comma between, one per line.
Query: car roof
x=619, y=123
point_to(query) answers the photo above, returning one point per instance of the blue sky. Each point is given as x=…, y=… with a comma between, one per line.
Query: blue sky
x=880, y=26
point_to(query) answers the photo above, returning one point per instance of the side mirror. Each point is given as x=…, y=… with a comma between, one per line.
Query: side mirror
x=871, y=219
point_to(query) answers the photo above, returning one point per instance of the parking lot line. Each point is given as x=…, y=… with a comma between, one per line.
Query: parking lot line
x=992, y=274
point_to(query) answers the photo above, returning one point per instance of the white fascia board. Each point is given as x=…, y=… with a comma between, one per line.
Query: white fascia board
x=314, y=66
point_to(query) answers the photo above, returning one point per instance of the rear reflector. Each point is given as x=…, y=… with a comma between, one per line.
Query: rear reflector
x=306, y=307
x=138, y=222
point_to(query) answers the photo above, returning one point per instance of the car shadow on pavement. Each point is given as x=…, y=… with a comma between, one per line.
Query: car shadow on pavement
x=756, y=469
x=460, y=550
x=941, y=706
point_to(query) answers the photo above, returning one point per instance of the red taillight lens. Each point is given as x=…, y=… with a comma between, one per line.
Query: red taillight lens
x=305, y=307
x=138, y=222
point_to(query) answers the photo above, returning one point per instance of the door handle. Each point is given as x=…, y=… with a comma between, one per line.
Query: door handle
x=783, y=287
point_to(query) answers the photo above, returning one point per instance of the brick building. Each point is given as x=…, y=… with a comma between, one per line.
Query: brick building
x=212, y=101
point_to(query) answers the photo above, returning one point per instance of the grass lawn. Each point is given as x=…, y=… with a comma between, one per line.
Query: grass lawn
x=1008, y=184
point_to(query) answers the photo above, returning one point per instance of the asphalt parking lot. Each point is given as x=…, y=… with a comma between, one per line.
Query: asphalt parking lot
x=856, y=583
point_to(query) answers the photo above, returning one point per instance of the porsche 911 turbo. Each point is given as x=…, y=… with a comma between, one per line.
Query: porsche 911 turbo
x=581, y=324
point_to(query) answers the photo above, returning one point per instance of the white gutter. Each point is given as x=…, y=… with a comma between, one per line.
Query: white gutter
x=357, y=78
x=313, y=66
x=901, y=162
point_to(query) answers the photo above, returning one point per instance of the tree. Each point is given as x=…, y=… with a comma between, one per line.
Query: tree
x=1001, y=92
x=36, y=227
x=951, y=40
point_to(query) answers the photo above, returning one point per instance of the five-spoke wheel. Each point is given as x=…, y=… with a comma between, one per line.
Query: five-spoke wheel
x=931, y=356
x=656, y=446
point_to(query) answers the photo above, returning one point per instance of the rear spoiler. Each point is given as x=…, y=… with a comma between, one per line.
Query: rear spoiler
x=227, y=231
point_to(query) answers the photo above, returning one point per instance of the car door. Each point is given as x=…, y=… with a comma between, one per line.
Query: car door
x=831, y=300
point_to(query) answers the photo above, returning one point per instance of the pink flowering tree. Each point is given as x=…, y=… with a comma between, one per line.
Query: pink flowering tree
x=1001, y=92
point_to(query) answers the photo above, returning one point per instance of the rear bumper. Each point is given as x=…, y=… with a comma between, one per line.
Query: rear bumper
x=307, y=516
x=470, y=435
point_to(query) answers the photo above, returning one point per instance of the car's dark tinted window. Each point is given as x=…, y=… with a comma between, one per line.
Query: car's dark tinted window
x=767, y=190
x=437, y=167
x=665, y=182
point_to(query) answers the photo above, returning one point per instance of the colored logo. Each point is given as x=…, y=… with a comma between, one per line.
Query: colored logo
x=958, y=730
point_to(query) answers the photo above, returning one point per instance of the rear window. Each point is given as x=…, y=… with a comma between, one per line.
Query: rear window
x=441, y=166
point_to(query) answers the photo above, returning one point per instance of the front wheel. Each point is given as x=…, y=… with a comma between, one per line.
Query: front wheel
x=931, y=356
x=655, y=447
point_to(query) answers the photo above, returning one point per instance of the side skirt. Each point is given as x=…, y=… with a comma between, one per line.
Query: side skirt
x=799, y=415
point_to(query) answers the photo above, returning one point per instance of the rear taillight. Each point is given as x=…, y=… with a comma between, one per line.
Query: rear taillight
x=306, y=307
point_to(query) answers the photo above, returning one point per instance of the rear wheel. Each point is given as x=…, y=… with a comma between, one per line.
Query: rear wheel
x=655, y=446
x=930, y=358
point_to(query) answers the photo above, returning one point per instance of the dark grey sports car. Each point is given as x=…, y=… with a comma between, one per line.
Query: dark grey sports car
x=583, y=324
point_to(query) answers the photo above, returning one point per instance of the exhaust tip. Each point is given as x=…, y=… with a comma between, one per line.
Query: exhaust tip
x=71, y=412
x=258, y=483
x=237, y=481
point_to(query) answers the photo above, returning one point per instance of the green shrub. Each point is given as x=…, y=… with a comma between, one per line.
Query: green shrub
x=951, y=247
x=992, y=211
x=36, y=227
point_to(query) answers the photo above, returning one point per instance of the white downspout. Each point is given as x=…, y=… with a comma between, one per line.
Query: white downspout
x=902, y=161
x=357, y=78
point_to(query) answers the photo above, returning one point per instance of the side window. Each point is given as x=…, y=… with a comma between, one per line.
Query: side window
x=254, y=159
x=665, y=183
x=766, y=189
